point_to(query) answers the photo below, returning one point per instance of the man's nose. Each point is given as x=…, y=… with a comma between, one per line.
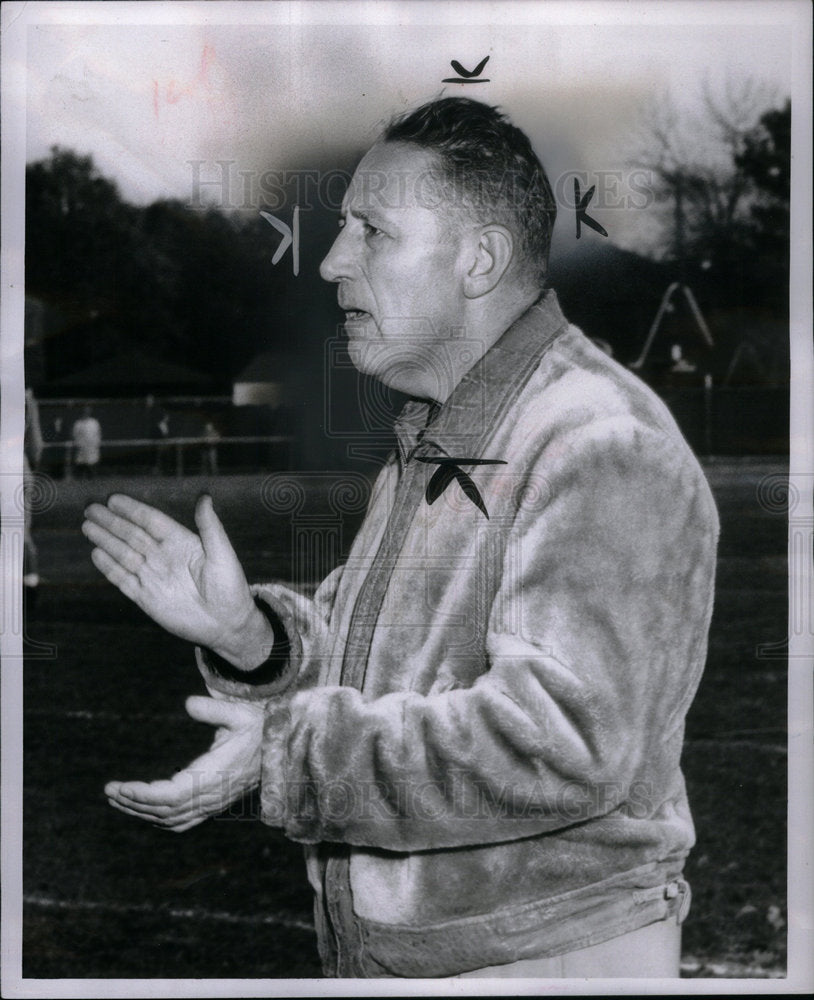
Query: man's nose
x=338, y=261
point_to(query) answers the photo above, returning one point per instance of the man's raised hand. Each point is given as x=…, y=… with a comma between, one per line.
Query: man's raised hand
x=191, y=584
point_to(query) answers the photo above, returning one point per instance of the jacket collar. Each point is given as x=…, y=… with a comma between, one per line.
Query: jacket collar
x=460, y=428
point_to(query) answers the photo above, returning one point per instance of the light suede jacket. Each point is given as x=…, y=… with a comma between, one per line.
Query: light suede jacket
x=478, y=729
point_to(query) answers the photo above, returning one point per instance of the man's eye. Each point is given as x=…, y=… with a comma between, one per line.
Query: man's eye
x=372, y=230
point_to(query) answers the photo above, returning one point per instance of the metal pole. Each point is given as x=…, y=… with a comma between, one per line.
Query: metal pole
x=708, y=414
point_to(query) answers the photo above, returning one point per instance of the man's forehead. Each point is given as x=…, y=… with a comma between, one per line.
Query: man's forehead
x=392, y=176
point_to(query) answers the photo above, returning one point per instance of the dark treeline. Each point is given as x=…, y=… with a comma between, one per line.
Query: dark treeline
x=736, y=233
x=186, y=286
x=172, y=286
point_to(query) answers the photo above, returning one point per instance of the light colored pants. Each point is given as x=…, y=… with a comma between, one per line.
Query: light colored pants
x=652, y=952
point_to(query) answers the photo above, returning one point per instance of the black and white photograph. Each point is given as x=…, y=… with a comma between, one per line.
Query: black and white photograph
x=406, y=472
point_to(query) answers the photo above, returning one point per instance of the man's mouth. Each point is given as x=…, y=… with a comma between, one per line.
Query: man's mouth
x=356, y=315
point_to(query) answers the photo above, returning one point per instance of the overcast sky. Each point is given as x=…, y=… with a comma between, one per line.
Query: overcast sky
x=283, y=86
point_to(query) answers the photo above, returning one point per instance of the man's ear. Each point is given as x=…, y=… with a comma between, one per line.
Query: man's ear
x=490, y=255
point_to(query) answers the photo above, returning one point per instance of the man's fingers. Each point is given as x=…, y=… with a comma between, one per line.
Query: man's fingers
x=177, y=824
x=122, y=806
x=213, y=536
x=157, y=525
x=177, y=800
x=191, y=787
x=160, y=800
x=118, y=550
x=155, y=813
x=122, y=528
x=114, y=572
x=215, y=712
x=165, y=793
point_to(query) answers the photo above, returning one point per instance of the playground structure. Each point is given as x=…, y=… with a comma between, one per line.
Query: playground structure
x=664, y=307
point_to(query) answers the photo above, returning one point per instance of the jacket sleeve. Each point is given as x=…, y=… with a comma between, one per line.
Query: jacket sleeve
x=298, y=622
x=595, y=644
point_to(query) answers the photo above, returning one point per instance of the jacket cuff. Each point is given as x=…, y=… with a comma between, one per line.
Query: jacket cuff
x=275, y=794
x=272, y=676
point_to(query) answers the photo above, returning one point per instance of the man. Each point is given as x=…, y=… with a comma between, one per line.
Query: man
x=33, y=445
x=209, y=452
x=87, y=440
x=159, y=429
x=475, y=726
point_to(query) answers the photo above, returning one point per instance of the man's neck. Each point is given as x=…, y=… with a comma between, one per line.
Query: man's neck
x=483, y=328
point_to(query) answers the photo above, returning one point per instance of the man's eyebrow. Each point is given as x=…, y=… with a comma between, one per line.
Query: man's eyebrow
x=366, y=213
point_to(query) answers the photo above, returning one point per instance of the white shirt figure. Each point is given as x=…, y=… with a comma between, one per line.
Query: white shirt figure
x=87, y=439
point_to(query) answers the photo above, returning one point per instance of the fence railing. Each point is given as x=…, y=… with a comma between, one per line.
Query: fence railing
x=186, y=400
x=174, y=446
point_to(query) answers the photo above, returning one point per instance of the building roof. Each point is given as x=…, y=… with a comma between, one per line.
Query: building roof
x=135, y=369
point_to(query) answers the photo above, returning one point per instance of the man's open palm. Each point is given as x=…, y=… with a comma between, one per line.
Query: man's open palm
x=212, y=781
x=191, y=584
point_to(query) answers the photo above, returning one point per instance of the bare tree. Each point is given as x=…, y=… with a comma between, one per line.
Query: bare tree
x=693, y=159
x=720, y=169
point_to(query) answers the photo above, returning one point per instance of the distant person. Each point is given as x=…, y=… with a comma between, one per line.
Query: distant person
x=32, y=453
x=87, y=441
x=159, y=432
x=209, y=454
x=58, y=436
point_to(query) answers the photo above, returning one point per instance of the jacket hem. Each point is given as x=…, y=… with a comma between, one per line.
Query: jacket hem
x=542, y=929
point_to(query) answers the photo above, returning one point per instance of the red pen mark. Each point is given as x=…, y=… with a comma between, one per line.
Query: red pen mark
x=207, y=57
x=175, y=91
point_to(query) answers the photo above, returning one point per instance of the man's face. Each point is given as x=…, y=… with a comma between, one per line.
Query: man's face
x=399, y=265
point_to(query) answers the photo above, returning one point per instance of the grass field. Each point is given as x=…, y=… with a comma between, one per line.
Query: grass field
x=106, y=896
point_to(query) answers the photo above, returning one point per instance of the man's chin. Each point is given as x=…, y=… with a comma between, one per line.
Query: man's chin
x=400, y=370
x=365, y=354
